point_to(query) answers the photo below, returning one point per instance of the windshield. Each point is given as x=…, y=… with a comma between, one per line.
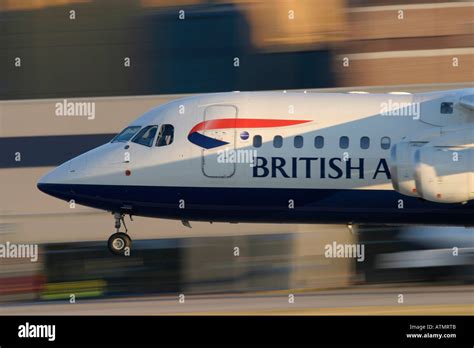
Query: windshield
x=146, y=136
x=126, y=134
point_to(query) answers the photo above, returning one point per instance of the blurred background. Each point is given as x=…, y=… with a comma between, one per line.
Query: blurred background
x=189, y=46
x=129, y=56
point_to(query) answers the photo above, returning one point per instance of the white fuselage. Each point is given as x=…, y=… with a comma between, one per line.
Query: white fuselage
x=321, y=144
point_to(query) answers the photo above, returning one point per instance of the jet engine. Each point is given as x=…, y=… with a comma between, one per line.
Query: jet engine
x=445, y=174
x=402, y=167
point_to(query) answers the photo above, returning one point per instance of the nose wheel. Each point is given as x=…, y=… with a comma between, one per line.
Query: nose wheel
x=120, y=243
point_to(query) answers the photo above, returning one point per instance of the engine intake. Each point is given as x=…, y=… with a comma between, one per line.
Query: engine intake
x=402, y=167
x=445, y=174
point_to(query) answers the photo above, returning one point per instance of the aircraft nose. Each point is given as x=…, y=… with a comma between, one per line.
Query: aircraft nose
x=54, y=185
x=55, y=176
x=49, y=182
x=41, y=185
x=65, y=173
x=45, y=188
x=55, y=182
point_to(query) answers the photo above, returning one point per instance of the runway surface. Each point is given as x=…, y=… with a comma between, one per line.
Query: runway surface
x=419, y=300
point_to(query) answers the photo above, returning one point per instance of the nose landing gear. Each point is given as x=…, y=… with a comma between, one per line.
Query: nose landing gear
x=120, y=243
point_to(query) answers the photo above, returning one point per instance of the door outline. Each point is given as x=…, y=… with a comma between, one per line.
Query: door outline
x=234, y=134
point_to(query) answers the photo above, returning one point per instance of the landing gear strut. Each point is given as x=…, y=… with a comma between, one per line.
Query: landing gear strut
x=119, y=243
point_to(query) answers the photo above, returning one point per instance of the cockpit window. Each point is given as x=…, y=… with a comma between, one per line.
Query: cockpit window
x=126, y=134
x=146, y=136
x=165, y=135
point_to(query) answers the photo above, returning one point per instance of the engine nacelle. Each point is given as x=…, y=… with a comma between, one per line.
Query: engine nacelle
x=402, y=167
x=445, y=174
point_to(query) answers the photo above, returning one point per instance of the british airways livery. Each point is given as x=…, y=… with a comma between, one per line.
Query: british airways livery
x=285, y=158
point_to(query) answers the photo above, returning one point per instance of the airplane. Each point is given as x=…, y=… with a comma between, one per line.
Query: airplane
x=284, y=157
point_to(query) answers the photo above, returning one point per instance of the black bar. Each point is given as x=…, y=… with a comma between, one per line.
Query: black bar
x=223, y=330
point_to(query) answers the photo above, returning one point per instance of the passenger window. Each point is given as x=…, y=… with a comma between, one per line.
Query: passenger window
x=298, y=142
x=257, y=141
x=165, y=135
x=146, y=136
x=364, y=143
x=344, y=142
x=277, y=141
x=126, y=134
x=385, y=143
x=319, y=142
x=447, y=108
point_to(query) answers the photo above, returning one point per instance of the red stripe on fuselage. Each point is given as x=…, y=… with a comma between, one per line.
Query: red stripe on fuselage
x=244, y=123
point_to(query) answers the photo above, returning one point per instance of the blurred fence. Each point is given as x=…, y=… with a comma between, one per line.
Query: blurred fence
x=247, y=263
x=417, y=254
x=195, y=265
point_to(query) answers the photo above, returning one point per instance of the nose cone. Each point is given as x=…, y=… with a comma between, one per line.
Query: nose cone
x=55, y=183
x=47, y=184
x=46, y=188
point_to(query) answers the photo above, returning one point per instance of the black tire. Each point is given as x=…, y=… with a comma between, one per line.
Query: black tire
x=120, y=243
